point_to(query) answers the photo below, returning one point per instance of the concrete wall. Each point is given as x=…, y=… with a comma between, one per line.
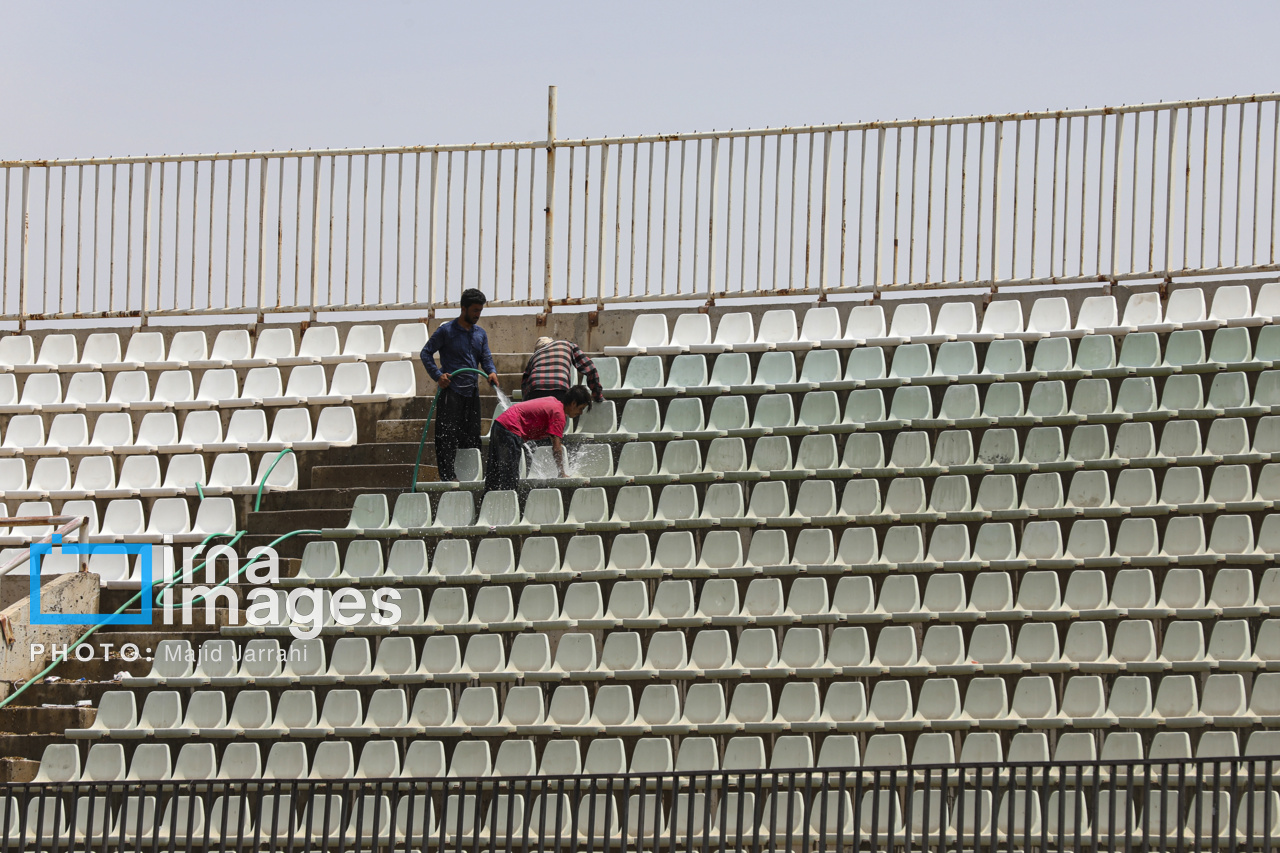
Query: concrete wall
x=76, y=592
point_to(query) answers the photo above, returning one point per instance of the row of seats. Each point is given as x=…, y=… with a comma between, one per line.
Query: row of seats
x=818, y=454
x=175, y=389
x=1139, y=399
x=515, y=757
x=158, y=432
x=95, y=477
x=821, y=816
x=859, y=551
x=231, y=348
x=1038, y=702
x=1133, y=590
x=118, y=571
x=125, y=520
x=1001, y=403
x=992, y=649
x=953, y=363
x=917, y=451
x=854, y=600
x=865, y=324
x=1185, y=540
x=1002, y=450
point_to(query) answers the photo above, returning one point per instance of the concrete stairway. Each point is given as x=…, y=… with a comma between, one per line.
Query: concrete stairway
x=330, y=480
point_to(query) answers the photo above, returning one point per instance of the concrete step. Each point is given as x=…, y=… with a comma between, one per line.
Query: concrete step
x=63, y=692
x=410, y=431
x=29, y=744
x=305, y=518
x=16, y=771
x=331, y=498
x=366, y=476
x=294, y=546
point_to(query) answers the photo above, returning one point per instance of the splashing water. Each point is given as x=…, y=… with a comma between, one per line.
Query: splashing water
x=542, y=464
x=504, y=402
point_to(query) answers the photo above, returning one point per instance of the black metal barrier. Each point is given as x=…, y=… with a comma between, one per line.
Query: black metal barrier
x=1222, y=804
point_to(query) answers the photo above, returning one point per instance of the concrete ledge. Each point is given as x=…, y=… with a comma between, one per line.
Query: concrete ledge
x=76, y=592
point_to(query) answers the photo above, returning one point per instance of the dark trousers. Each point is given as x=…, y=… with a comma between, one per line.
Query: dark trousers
x=558, y=393
x=505, y=451
x=457, y=421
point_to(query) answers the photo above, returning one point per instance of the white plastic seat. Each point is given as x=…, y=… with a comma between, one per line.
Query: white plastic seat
x=689, y=330
x=648, y=330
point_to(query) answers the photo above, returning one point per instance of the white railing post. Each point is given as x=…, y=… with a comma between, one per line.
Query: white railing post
x=549, y=224
x=876, y=248
x=23, y=256
x=432, y=209
x=262, y=243
x=315, y=235
x=995, y=206
x=711, y=220
x=146, y=239
x=822, y=238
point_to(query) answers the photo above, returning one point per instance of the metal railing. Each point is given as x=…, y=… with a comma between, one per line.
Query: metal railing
x=1225, y=804
x=1108, y=194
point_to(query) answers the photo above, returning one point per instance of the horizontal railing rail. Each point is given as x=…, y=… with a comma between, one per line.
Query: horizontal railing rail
x=1143, y=192
x=1220, y=803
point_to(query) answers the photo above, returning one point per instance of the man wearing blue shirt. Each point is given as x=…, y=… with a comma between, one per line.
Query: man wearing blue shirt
x=461, y=343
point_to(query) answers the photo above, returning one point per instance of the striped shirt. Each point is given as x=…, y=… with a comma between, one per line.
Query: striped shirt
x=551, y=369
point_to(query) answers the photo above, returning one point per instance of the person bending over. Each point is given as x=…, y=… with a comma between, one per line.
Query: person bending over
x=530, y=420
x=461, y=343
x=549, y=372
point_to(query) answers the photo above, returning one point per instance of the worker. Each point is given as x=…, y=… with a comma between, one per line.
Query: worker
x=460, y=343
x=549, y=371
x=530, y=420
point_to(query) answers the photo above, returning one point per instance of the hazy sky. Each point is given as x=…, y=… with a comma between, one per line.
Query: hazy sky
x=161, y=77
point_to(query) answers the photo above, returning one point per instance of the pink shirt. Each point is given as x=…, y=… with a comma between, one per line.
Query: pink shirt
x=535, y=419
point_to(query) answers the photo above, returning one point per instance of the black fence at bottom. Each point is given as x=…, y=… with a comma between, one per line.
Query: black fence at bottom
x=1224, y=804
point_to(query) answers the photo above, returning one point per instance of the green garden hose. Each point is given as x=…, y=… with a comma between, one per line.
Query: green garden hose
x=177, y=576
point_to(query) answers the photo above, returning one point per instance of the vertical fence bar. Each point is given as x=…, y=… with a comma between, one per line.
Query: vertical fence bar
x=879, y=201
x=262, y=238
x=1102, y=180
x=315, y=233
x=711, y=217
x=1257, y=152
x=617, y=232
x=1168, y=191
x=1084, y=187
x=549, y=224
x=964, y=174
x=146, y=239
x=928, y=210
x=728, y=241
x=982, y=164
x=897, y=197
x=1116, y=169
x=195, y=216
x=1053, y=201
x=808, y=205
x=825, y=201
x=995, y=201
x=1186, y=193
x=1235, y=254
x=1275, y=173
x=600, y=227
x=23, y=258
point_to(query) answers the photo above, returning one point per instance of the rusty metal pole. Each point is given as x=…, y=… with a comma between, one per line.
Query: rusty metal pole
x=549, y=225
